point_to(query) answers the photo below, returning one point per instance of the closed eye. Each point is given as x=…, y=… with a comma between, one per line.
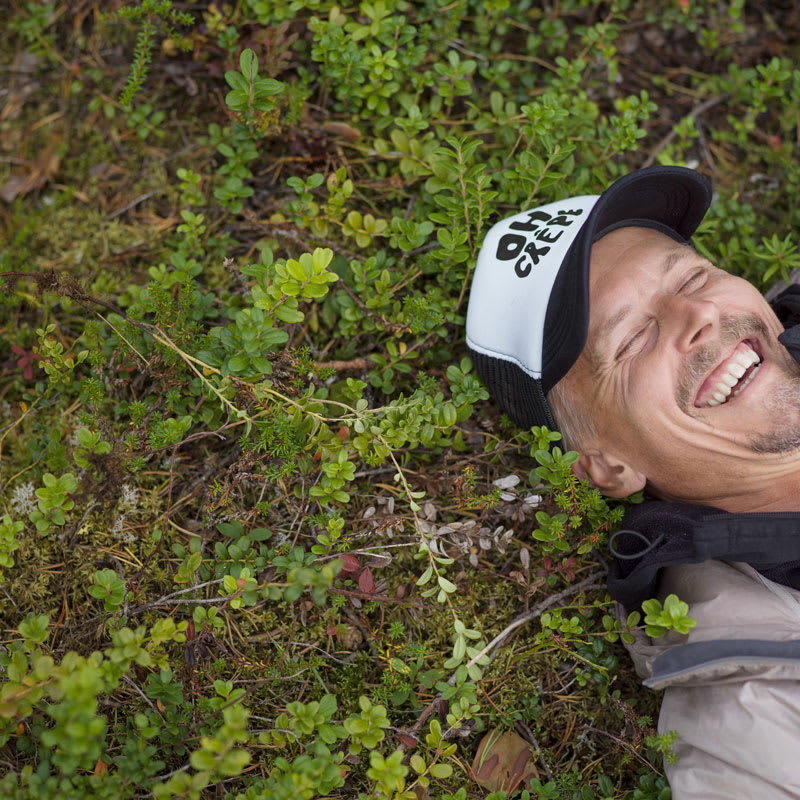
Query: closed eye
x=694, y=282
x=629, y=344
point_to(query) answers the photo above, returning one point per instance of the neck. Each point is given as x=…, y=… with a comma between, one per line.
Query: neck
x=771, y=491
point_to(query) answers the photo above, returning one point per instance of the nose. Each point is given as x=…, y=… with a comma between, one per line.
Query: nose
x=691, y=321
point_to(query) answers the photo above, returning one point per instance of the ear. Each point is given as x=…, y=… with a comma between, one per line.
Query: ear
x=612, y=476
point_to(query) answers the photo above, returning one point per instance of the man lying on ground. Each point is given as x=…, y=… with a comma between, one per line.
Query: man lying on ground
x=595, y=316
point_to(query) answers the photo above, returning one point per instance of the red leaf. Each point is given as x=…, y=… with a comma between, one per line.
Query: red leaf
x=366, y=582
x=408, y=741
x=350, y=562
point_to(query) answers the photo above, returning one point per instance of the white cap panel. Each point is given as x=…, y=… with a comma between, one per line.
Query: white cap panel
x=516, y=269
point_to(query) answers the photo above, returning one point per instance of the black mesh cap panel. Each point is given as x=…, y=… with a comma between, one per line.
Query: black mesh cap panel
x=518, y=394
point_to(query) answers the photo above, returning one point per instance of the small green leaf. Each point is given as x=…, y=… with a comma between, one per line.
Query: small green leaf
x=248, y=63
x=441, y=770
x=425, y=577
x=296, y=270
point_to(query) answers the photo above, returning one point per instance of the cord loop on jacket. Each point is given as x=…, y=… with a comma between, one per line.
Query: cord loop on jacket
x=650, y=545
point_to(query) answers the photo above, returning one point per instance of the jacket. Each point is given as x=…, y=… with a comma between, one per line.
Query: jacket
x=732, y=684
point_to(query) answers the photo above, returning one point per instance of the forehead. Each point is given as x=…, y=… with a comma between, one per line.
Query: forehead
x=639, y=253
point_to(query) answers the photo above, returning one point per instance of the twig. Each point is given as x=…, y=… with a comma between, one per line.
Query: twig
x=16, y=421
x=345, y=660
x=147, y=700
x=377, y=597
x=528, y=733
x=586, y=583
x=73, y=531
x=339, y=366
x=696, y=111
x=200, y=600
x=132, y=203
x=624, y=744
x=161, y=600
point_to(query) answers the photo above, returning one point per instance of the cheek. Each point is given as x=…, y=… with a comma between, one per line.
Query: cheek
x=738, y=295
x=649, y=385
x=645, y=405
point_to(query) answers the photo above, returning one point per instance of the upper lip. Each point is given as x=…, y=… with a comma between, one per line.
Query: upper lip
x=752, y=343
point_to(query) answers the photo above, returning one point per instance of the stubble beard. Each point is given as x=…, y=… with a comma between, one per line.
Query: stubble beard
x=782, y=404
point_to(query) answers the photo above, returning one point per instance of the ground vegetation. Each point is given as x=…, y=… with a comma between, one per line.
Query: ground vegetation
x=263, y=535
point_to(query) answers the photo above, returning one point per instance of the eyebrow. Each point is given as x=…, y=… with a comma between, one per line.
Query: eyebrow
x=674, y=257
x=670, y=261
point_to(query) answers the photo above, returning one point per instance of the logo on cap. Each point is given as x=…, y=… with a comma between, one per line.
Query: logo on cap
x=539, y=227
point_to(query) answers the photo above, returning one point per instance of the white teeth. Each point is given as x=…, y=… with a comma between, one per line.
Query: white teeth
x=737, y=369
x=734, y=370
x=747, y=357
x=749, y=378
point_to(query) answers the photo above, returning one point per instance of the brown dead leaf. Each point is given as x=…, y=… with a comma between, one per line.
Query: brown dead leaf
x=349, y=562
x=503, y=761
x=22, y=85
x=13, y=187
x=407, y=741
x=42, y=170
x=380, y=560
x=366, y=582
x=342, y=129
x=100, y=768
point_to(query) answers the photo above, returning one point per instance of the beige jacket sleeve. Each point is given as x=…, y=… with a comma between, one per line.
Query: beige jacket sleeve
x=731, y=686
x=737, y=741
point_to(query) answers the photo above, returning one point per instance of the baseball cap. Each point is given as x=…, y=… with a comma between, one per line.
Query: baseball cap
x=528, y=313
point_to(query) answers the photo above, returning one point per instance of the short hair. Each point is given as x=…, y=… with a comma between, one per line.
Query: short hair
x=576, y=426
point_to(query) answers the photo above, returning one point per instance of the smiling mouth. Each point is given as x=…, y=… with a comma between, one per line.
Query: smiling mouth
x=730, y=377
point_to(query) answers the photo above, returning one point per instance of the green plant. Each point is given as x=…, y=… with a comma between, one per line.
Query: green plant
x=58, y=365
x=366, y=729
x=52, y=501
x=246, y=282
x=150, y=14
x=9, y=529
x=249, y=93
x=146, y=122
x=672, y=616
x=109, y=588
x=90, y=443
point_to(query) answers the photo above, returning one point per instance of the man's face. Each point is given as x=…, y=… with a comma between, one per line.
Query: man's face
x=682, y=371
